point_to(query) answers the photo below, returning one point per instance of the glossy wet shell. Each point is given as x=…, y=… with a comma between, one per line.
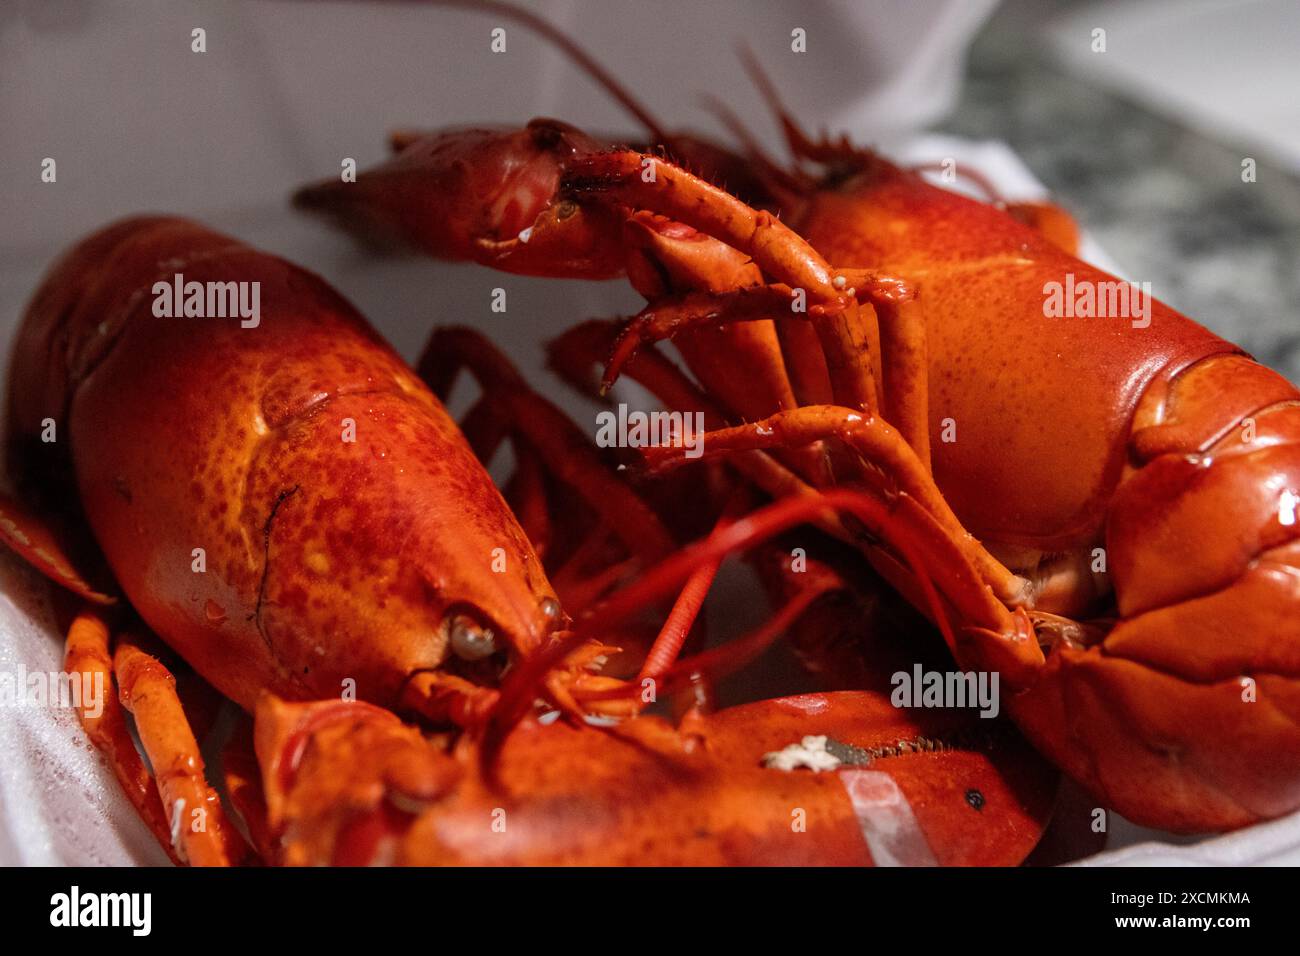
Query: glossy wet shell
x=644, y=794
x=322, y=559
x=1028, y=393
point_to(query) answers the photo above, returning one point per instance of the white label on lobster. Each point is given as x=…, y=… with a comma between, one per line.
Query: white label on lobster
x=888, y=824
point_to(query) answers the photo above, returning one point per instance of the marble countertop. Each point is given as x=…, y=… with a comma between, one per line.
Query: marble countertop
x=1165, y=202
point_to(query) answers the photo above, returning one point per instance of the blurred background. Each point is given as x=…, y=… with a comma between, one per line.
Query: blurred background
x=1140, y=130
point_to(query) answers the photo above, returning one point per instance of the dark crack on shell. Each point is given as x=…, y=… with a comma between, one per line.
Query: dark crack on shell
x=266, y=564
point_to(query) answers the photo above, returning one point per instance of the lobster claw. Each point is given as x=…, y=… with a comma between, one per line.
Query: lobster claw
x=348, y=783
x=344, y=779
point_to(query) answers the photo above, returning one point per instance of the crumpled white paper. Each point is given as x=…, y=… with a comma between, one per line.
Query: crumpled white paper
x=59, y=802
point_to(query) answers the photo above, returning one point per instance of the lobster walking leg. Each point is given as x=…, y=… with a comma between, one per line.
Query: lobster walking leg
x=526, y=495
x=933, y=571
x=645, y=181
x=88, y=655
x=905, y=383
x=901, y=346
x=549, y=432
x=38, y=543
x=666, y=259
x=553, y=439
x=148, y=689
x=925, y=549
x=878, y=443
x=546, y=438
x=178, y=786
x=586, y=346
x=665, y=318
x=243, y=782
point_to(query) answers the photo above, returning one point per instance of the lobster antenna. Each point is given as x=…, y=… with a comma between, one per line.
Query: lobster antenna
x=981, y=182
x=785, y=183
x=796, y=139
x=685, y=614
x=520, y=689
x=585, y=61
x=719, y=661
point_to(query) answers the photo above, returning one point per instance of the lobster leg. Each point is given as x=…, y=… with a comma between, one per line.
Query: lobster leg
x=576, y=584
x=440, y=697
x=551, y=441
x=88, y=655
x=936, y=568
x=37, y=541
x=902, y=348
x=584, y=347
x=148, y=691
x=644, y=181
x=752, y=370
x=906, y=389
x=665, y=318
x=549, y=432
x=485, y=428
x=798, y=358
x=879, y=444
x=993, y=636
x=526, y=494
x=243, y=781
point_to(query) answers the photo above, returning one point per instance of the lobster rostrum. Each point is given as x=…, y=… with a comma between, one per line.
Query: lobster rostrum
x=1104, y=507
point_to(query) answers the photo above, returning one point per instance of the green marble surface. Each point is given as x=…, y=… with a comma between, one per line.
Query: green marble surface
x=1165, y=202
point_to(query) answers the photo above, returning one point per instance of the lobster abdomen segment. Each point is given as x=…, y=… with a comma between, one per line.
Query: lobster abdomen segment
x=1186, y=714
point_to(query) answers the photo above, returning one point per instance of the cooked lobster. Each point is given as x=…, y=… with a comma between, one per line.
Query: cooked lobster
x=294, y=514
x=1106, y=506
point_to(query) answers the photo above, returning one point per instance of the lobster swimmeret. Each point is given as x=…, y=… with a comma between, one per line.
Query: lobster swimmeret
x=294, y=513
x=1133, y=485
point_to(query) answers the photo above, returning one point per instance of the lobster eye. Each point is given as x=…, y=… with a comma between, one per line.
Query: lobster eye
x=551, y=609
x=470, y=641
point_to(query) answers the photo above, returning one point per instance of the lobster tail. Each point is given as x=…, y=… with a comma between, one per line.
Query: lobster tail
x=1203, y=543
